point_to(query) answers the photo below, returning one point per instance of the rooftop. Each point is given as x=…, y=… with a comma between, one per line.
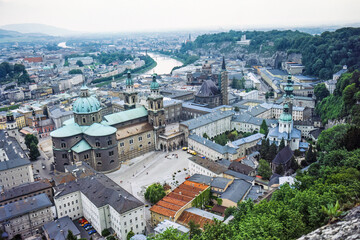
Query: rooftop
x=101, y=191
x=58, y=229
x=237, y=191
x=134, y=129
x=24, y=189
x=214, y=146
x=124, y=116
x=206, y=119
x=198, y=216
x=21, y=207
x=179, y=197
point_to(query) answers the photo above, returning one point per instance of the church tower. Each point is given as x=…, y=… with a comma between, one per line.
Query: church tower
x=10, y=121
x=130, y=93
x=289, y=96
x=224, y=84
x=156, y=112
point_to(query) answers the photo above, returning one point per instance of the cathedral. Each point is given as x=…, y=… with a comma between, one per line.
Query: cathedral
x=105, y=141
x=285, y=130
x=211, y=95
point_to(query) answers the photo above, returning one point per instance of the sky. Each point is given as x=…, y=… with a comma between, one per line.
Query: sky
x=165, y=15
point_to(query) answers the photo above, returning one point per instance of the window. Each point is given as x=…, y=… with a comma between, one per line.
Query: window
x=112, y=161
x=131, y=141
x=111, y=153
x=149, y=135
x=97, y=143
x=86, y=156
x=84, y=120
x=121, y=144
x=98, y=154
x=110, y=142
x=140, y=146
x=140, y=139
x=149, y=143
x=63, y=145
x=63, y=156
x=99, y=163
x=93, y=119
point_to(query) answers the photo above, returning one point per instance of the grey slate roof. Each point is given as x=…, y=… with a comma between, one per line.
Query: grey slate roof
x=208, y=88
x=239, y=175
x=274, y=132
x=236, y=191
x=214, y=146
x=254, y=137
x=206, y=119
x=65, y=224
x=24, y=189
x=241, y=168
x=208, y=164
x=218, y=182
x=283, y=156
x=101, y=190
x=21, y=207
x=13, y=151
x=255, y=193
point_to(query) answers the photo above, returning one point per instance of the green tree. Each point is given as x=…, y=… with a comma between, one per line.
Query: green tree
x=105, y=232
x=264, y=128
x=264, y=148
x=154, y=193
x=194, y=229
x=130, y=235
x=30, y=138
x=70, y=236
x=321, y=91
x=79, y=63
x=229, y=211
x=272, y=152
x=282, y=144
x=34, y=151
x=75, y=71
x=264, y=169
x=170, y=234
x=294, y=164
x=219, y=201
x=205, y=136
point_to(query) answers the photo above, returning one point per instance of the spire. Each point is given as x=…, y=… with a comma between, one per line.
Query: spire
x=129, y=81
x=289, y=87
x=154, y=85
x=223, y=67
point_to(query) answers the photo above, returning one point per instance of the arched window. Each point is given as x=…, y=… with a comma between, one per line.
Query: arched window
x=84, y=120
x=93, y=118
x=99, y=163
x=112, y=161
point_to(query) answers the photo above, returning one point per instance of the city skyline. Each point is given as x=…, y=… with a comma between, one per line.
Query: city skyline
x=139, y=15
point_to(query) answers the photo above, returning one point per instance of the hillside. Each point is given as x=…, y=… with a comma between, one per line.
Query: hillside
x=38, y=29
x=13, y=36
x=322, y=55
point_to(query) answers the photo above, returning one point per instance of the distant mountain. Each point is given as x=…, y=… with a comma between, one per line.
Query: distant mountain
x=13, y=36
x=38, y=28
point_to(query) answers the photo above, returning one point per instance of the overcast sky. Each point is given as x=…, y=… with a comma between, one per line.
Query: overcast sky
x=154, y=15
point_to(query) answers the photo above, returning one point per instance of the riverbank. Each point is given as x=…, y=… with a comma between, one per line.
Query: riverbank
x=151, y=63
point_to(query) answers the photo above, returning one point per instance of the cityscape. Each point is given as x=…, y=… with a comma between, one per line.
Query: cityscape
x=134, y=125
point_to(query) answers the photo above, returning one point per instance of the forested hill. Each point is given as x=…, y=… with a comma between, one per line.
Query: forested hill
x=322, y=54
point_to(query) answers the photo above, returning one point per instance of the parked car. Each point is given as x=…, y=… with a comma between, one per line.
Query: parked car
x=88, y=228
x=84, y=223
x=87, y=225
x=92, y=232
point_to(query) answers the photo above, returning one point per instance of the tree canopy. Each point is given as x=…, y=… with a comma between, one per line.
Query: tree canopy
x=154, y=193
x=10, y=72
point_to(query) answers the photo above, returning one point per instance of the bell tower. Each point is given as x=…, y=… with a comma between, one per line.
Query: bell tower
x=130, y=93
x=156, y=112
x=224, y=84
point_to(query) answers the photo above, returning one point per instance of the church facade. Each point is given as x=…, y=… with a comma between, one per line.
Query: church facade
x=105, y=141
x=285, y=130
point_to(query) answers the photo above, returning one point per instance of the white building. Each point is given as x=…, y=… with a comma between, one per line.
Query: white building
x=15, y=168
x=103, y=203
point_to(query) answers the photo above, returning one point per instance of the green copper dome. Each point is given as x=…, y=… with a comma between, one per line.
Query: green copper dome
x=129, y=81
x=286, y=116
x=154, y=84
x=86, y=103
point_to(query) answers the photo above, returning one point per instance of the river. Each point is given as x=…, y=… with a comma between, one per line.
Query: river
x=164, y=64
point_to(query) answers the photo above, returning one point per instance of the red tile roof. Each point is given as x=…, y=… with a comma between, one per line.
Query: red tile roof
x=174, y=201
x=34, y=59
x=186, y=217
